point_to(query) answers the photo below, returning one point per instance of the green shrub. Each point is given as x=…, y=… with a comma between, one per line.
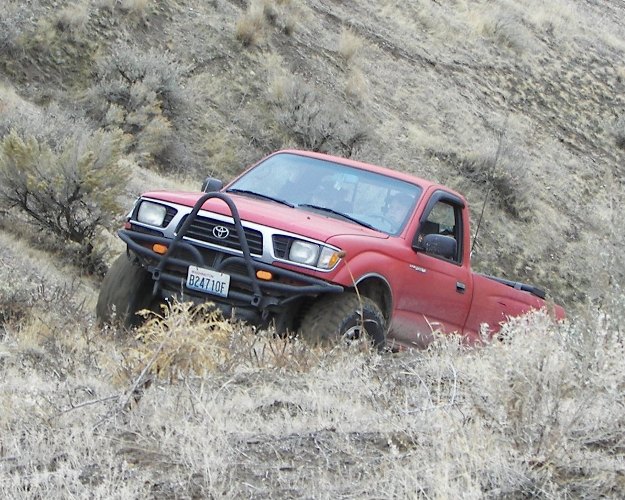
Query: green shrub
x=70, y=191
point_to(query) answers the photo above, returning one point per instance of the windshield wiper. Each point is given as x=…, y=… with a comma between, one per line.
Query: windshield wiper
x=260, y=195
x=340, y=214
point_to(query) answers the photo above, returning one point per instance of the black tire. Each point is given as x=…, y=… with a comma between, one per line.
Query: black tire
x=335, y=318
x=126, y=290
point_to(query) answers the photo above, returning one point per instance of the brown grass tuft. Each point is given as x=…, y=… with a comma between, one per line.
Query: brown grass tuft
x=185, y=341
x=136, y=7
x=74, y=17
x=350, y=45
x=250, y=27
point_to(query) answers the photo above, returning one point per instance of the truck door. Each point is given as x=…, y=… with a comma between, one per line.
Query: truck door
x=435, y=292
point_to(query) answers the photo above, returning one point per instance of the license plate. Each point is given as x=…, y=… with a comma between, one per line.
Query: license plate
x=207, y=280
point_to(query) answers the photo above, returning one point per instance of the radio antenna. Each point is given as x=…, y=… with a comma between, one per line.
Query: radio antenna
x=491, y=176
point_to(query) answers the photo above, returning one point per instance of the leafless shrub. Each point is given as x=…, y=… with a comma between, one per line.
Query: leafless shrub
x=311, y=121
x=157, y=72
x=271, y=13
x=139, y=92
x=10, y=22
x=505, y=176
x=265, y=349
x=280, y=15
x=14, y=303
x=253, y=26
x=289, y=24
x=70, y=190
x=49, y=326
x=556, y=407
x=506, y=29
x=618, y=131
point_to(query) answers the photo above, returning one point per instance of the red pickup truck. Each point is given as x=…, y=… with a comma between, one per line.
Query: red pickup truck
x=318, y=245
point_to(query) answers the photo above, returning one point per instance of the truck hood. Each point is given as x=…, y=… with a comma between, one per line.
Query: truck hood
x=295, y=220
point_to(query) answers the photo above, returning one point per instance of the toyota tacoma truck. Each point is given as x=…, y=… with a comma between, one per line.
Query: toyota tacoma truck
x=318, y=246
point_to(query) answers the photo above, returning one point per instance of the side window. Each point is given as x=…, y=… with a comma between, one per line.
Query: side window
x=444, y=219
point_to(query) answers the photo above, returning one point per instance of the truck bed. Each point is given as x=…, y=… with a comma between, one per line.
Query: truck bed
x=534, y=290
x=495, y=300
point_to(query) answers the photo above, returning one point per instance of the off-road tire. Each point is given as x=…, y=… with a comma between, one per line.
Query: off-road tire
x=125, y=290
x=336, y=318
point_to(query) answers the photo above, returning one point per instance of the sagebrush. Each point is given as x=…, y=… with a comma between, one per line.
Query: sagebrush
x=71, y=191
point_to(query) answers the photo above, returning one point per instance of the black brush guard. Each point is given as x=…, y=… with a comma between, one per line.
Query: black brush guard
x=254, y=299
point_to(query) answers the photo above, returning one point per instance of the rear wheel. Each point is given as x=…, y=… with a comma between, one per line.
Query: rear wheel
x=125, y=290
x=344, y=317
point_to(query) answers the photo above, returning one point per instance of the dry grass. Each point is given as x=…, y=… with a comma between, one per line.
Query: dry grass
x=350, y=44
x=249, y=29
x=73, y=17
x=213, y=407
x=356, y=84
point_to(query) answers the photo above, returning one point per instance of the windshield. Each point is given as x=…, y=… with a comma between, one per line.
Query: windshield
x=362, y=197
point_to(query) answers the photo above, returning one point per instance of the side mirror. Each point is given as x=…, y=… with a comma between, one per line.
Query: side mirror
x=439, y=245
x=211, y=185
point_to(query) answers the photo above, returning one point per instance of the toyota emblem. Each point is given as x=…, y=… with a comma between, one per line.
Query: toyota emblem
x=221, y=232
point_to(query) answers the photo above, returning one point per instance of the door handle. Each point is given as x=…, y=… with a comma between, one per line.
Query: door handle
x=460, y=287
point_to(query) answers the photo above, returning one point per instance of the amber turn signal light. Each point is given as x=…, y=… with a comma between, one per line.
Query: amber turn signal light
x=159, y=248
x=264, y=275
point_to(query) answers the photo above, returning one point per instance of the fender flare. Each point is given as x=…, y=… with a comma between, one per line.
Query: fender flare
x=369, y=280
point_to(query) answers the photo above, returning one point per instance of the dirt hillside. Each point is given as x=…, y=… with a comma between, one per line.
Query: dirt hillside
x=520, y=105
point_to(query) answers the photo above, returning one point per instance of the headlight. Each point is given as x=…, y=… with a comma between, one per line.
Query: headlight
x=311, y=254
x=151, y=213
x=304, y=252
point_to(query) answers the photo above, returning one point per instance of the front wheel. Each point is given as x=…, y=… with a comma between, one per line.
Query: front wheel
x=347, y=316
x=125, y=290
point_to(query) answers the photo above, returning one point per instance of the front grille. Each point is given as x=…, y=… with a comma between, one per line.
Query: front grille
x=169, y=215
x=281, y=246
x=202, y=229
